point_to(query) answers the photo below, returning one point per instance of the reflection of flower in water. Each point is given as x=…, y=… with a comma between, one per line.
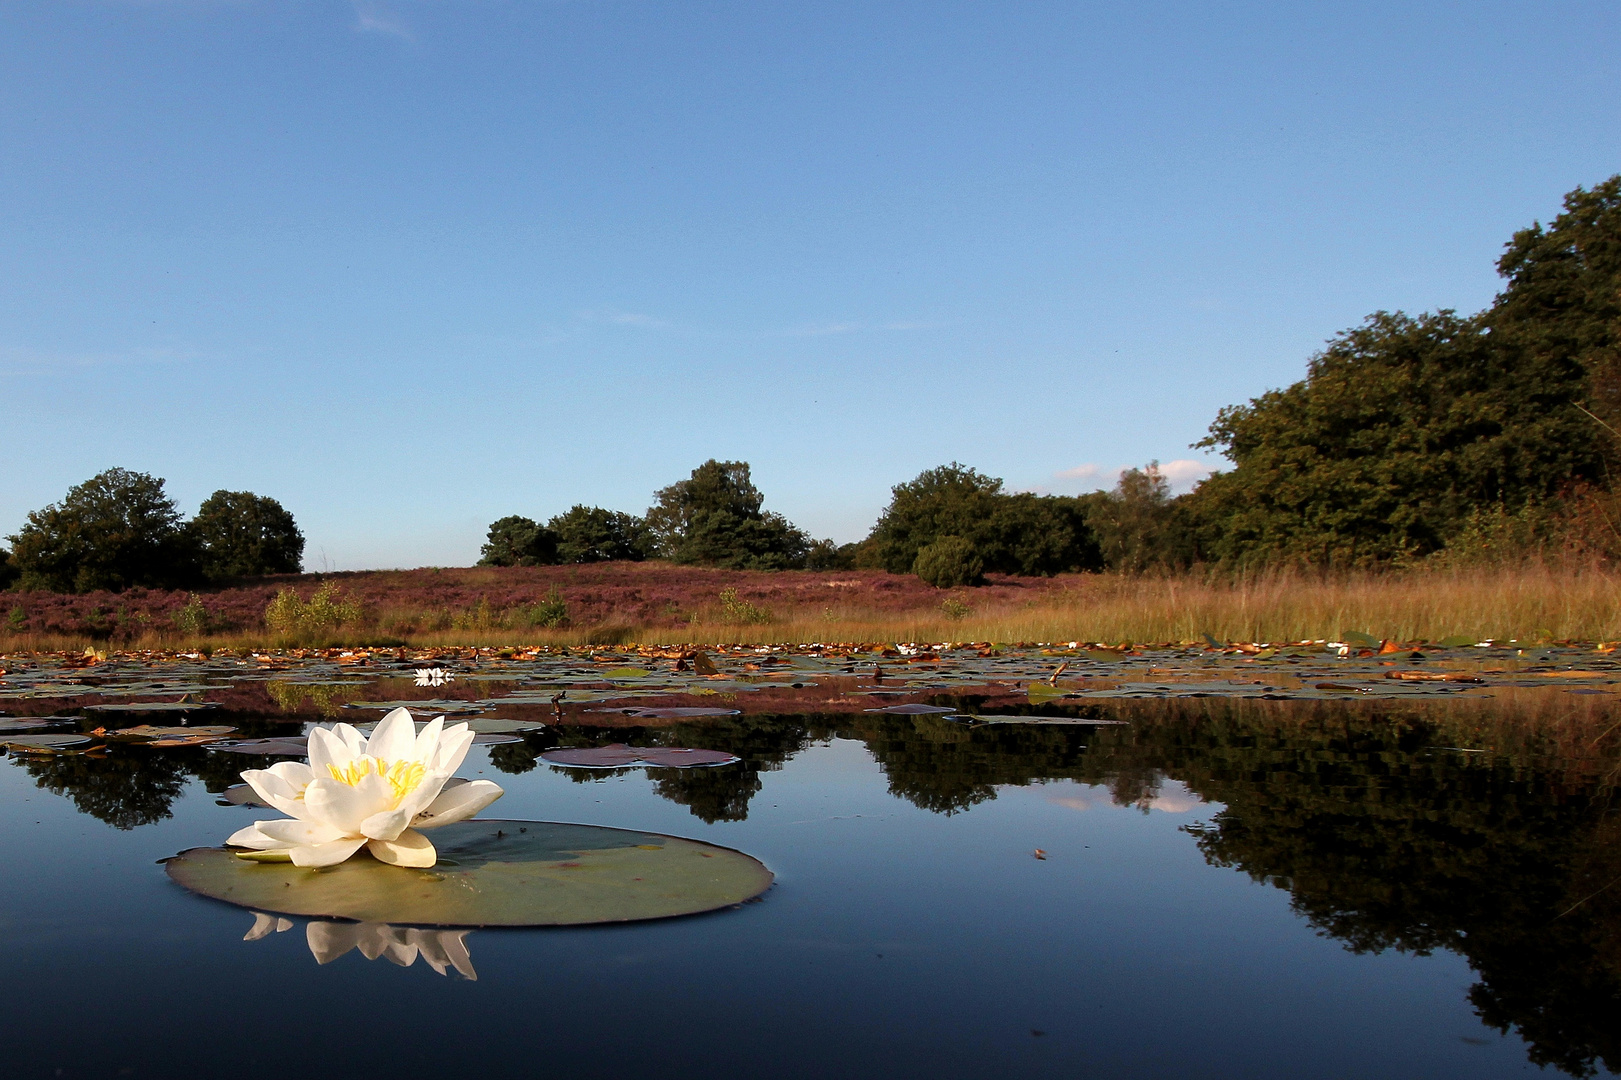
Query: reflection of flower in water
x=441, y=950
x=432, y=676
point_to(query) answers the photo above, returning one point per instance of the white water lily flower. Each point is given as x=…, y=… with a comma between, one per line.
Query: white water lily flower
x=374, y=793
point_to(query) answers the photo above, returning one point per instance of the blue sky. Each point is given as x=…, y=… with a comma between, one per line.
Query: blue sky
x=412, y=265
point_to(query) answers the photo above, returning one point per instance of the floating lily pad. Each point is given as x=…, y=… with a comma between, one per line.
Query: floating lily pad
x=21, y=723
x=158, y=735
x=668, y=713
x=434, y=706
x=495, y=873
x=289, y=747
x=154, y=707
x=619, y=756
x=239, y=795
x=911, y=710
x=1457, y=641
x=482, y=725
x=26, y=743
x=626, y=673
x=1062, y=721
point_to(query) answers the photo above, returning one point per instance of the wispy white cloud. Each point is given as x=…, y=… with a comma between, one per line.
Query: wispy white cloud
x=1183, y=475
x=823, y=329
x=625, y=318
x=375, y=19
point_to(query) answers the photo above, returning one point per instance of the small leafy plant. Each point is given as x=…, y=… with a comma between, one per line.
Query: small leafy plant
x=191, y=620
x=551, y=612
x=734, y=609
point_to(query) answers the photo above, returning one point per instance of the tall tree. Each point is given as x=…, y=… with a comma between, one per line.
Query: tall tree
x=1401, y=428
x=1562, y=303
x=239, y=534
x=715, y=518
x=116, y=530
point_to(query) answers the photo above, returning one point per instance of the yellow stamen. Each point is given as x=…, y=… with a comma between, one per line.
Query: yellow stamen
x=402, y=776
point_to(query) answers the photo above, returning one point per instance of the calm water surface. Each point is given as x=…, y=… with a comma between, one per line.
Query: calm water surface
x=1226, y=892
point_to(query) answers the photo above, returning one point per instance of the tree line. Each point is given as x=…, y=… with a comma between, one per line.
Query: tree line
x=120, y=529
x=1412, y=438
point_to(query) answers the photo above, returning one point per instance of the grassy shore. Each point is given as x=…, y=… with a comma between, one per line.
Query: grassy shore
x=654, y=602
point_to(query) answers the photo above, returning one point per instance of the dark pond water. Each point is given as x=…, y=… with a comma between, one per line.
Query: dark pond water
x=1230, y=888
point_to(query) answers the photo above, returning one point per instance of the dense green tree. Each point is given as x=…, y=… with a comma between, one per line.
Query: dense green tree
x=1407, y=430
x=1562, y=303
x=518, y=541
x=1009, y=534
x=116, y=530
x=714, y=518
x=8, y=569
x=1401, y=429
x=239, y=534
x=587, y=534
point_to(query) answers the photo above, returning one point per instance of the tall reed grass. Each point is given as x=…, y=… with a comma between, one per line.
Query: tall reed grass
x=1579, y=603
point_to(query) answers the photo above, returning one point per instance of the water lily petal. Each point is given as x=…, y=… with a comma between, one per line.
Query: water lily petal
x=452, y=749
x=424, y=793
x=395, y=738
x=252, y=837
x=334, y=803
x=353, y=738
x=326, y=750
x=410, y=848
x=458, y=803
x=385, y=825
x=281, y=786
x=428, y=739
x=328, y=854
x=294, y=833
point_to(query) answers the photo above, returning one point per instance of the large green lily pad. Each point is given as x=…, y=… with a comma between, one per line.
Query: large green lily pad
x=495, y=873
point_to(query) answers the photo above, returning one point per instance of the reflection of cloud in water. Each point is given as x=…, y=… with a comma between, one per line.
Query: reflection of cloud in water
x=1173, y=797
x=441, y=950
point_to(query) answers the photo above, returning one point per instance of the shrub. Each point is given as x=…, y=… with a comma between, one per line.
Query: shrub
x=734, y=609
x=327, y=610
x=954, y=609
x=191, y=620
x=948, y=562
x=1011, y=534
x=17, y=621
x=551, y=612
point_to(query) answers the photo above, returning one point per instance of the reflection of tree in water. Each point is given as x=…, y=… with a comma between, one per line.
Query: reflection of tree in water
x=722, y=793
x=718, y=793
x=1386, y=842
x=946, y=767
x=125, y=788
